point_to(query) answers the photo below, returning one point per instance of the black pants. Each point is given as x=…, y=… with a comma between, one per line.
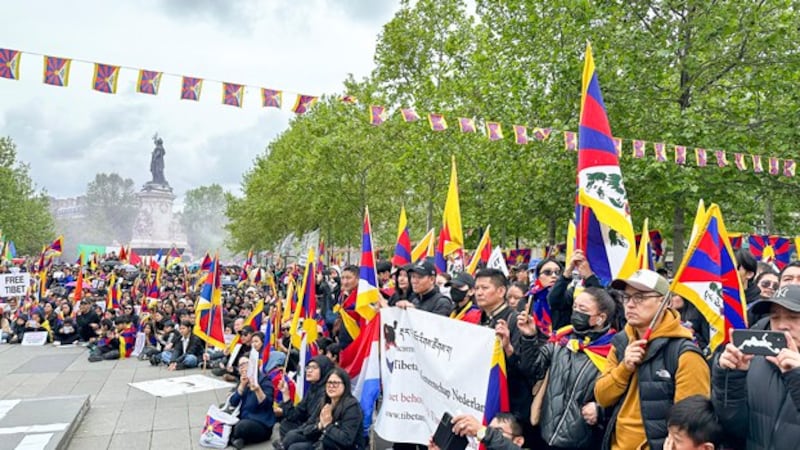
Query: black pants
x=295, y=440
x=287, y=426
x=403, y=446
x=251, y=431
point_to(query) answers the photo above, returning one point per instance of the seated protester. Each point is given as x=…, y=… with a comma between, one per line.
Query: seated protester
x=128, y=310
x=150, y=340
x=662, y=370
x=562, y=293
x=187, y=349
x=107, y=347
x=693, y=425
x=503, y=432
x=165, y=340
x=757, y=398
x=570, y=418
x=87, y=321
x=692, y=319
x=337, y=421
x=37, y=323
x=66, y=333
x=295, y=416
x=228, y=369
x=462, y=292
x=254, y=398
x=100, y=334
x=18, y=329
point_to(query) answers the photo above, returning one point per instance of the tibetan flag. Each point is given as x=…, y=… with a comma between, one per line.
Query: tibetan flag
x=402, y=250
x=680, y=155
x=56, y=71
x=520, y=134
x=773, y=166
x=266, y=349
x=439, y=261
x=708, y=279
x=424, y=247
x=596, y=351
x=255, y=319
x=409, y=115
x=377, y=115
x=736, y=240
x=539, y=308
x=738, y=159
x=271, y=98
x=541, y=134
x=722, y=158
x=114, y=293
x=134, y=257
x=79, y=282
x=306, y=307
x=127, y=341
x=570, y=141
x=497, y=399
x=788, y=168
x=209, y=324
x=56, y=247
x=361, y=360
x=207, y=263
x=638, y=149
x=368, y=292
x=518, y=256
x=700, y=157
x=771, y=249
x=105, y=78
x=246, y=266
x=645, y=253
x=466, y=124
x=217, y=427
x=172, y=258
x=122, y=255
x=494, y=131
x=656, y=244
x=699, y=217
x=757, y=167
x=661, y=153
x=148, y=82
x=9, y=63
x=303, y=103
x=348, y=99
x=482, y=253
x=437, y=122
x=321, y=253
x=154, y=287
x=232, y=94
x=602, y=214
x=451, y=219
x=191, y=88
x=617, y=145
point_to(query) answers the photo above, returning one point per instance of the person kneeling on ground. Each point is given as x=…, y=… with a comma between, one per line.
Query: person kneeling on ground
x=187, y=349
x=255, y=414
x=693, y=425
x=503, y=432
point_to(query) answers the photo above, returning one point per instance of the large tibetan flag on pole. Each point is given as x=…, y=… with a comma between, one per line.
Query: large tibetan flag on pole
x=645, y=254
x=451, y=221
x=497, y=399
x=402, y=250
x=602, y=215
x=361, y=360
x=306, y=307
x=56, y=247
x=482, y=253
x=368, y=293
x=707, y=278
x=424, y=248
x=209, y=326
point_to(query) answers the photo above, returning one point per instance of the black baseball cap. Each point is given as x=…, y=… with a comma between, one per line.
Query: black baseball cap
x=424, y=267
x=787, y=296
x=462, y=279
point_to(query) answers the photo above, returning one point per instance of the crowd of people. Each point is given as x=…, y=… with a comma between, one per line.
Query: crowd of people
x=588, y=366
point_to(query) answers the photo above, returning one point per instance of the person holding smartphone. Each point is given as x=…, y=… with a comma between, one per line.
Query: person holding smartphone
x=758, y=397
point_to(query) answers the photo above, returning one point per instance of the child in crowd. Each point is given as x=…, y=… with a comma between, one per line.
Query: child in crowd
x=693, y=425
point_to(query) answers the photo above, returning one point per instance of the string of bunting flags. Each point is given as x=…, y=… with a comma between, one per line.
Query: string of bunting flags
x=56, y=71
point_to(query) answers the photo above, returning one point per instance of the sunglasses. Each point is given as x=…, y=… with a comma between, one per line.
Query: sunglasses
x=551, y=273
x=768, y=284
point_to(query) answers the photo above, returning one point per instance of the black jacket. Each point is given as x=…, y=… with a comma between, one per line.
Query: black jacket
x=435, y=302
x=560, y=299
x=296, y=415
x=760, y=405
x=195, y=348
x=495, y=440
x=570, y=386
x=83, y=322
x=344, y=433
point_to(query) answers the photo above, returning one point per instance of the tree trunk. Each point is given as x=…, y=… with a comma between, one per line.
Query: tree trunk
x=677, y=236
x=551, y=231
x=769, y=215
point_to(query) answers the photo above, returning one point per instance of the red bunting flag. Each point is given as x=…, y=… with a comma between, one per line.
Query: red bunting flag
x=722, y=158
x=638, y=149
x=788, y=168
x=738, y=159
x=348, y=99
x=617, y=145
x=773, y=166
x=757, y=167
x=377, y=115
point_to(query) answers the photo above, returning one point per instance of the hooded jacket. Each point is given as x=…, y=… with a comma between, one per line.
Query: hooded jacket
x=296, y=415
x=346, y=430
x=625, y=390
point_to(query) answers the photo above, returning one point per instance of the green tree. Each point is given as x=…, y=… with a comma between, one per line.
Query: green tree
x=24, y=217
x=204, y=218
x=111, y=207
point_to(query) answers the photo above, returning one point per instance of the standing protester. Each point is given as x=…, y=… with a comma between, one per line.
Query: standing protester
x=462, y=291
x=757, y=398
x=427, y=296
x=644, y=378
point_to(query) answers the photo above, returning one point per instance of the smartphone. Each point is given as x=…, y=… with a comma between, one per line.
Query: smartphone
x=759, y=342
x=444, y=437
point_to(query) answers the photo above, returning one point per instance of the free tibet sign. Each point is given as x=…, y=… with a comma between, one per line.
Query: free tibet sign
x=14, y=284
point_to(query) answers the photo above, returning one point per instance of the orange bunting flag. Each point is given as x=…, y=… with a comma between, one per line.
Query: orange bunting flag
x=303, y=103
x=105, y=78
x=232, y=94
x=466, y=124
x=271, y=98
x=56, y=71
x=148, y=82
x=520, y=134
x=377, y=115
x=494, y=131
x=437, y=121
x=191, y=88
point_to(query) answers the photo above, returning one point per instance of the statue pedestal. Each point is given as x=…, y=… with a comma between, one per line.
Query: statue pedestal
x=156, y=227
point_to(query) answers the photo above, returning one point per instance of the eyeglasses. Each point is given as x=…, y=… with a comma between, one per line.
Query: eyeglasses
x=551, y=273
x=638, y=297
x=769, y=285
x=333, y=383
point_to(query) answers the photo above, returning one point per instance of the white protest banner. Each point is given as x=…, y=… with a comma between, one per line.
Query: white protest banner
x=14, y=284
x=34, y=338
x=430, y=365
x=497, y=261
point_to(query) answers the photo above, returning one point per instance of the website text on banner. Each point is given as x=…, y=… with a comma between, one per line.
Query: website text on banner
x=430, y=364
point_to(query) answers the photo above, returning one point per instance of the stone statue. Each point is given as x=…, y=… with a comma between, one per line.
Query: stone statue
x=157, y=162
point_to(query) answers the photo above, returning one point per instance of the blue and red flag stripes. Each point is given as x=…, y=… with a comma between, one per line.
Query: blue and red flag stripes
x=497, y=399
x=402, y=250
x=9, y=63
x=148, y=82
x=771, y=249
x=368, y=291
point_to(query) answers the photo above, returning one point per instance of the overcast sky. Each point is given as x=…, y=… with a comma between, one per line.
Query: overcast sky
x=69, y=134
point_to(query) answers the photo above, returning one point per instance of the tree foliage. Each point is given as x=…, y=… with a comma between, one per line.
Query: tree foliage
x=24, y=216
x=111, y=208
x=714, y=75
x=204, y=218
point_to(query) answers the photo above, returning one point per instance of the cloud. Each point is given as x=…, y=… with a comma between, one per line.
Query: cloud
x=366, y=10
